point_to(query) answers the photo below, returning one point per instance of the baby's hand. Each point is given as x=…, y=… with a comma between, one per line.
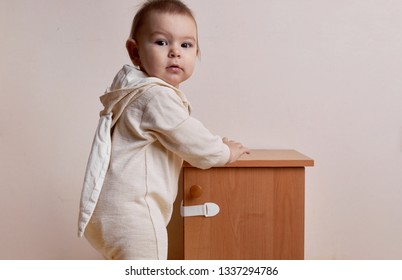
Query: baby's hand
x=236, y=149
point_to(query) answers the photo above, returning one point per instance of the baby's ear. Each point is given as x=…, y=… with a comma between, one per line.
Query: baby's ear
x=131, y=46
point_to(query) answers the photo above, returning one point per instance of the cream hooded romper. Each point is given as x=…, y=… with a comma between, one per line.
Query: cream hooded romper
x=144, y=133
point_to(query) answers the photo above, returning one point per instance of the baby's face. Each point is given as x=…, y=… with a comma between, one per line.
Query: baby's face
x=167, y=47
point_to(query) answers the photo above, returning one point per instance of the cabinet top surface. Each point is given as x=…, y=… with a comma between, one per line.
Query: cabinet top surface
x=271, y=158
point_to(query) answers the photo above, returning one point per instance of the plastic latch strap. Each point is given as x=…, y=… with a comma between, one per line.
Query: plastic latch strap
x=208, y=209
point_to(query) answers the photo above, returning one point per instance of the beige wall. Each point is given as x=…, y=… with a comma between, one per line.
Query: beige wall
x=319, y=76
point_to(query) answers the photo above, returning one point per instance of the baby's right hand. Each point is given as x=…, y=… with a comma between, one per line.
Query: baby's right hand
x=236, y=149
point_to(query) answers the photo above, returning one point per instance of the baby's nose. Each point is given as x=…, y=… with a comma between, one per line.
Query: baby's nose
x=174, y=53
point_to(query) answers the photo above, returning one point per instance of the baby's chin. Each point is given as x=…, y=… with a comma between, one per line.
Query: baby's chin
x=173, y=82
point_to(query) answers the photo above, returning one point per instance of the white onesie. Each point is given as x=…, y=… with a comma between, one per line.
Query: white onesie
x=144, y=133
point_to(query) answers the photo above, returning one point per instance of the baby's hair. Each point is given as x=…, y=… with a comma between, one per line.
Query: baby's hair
x=161, y=6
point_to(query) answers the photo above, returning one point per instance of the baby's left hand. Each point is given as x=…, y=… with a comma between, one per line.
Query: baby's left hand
x=236, y=149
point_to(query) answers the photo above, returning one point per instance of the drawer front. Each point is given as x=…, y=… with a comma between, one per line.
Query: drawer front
x=261, y=213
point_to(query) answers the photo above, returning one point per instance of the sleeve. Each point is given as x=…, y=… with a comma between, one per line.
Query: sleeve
x=169, y=121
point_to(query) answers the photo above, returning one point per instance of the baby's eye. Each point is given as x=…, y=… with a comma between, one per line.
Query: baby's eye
x=186, y=45
x=161, y=42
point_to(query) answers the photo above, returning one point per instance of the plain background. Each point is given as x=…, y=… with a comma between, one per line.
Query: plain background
x=319, y=76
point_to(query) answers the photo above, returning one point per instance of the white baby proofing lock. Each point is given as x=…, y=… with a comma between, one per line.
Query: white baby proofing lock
x=208, y=209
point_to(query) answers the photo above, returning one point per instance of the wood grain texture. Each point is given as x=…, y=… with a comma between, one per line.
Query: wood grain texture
x=261, y=214
x=261, y=199
x=270, y=158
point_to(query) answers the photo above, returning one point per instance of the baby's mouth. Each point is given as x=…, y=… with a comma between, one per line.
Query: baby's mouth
x=174, y=67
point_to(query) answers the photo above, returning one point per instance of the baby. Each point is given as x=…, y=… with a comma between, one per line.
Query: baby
x=145, y=132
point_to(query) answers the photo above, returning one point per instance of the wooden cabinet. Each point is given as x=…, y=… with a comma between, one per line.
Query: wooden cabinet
x=261, y=209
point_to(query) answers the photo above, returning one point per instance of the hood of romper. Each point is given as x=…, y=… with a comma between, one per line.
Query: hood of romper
x=127, y=85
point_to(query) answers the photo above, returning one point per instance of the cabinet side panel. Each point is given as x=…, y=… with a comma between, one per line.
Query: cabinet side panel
x=289, y=213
